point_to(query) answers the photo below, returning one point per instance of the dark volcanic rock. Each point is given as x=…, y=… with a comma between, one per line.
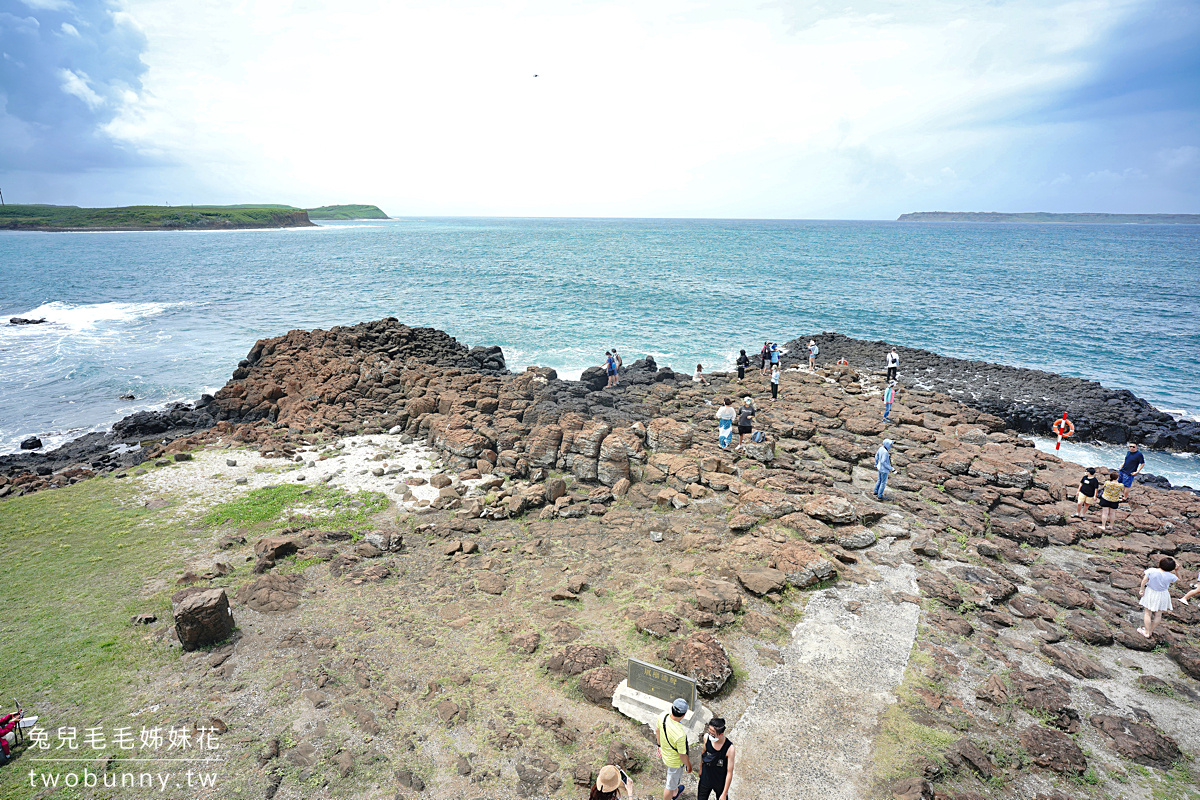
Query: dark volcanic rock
x=1138, y=742
x=1028, y=400
x=203, y=618
x=1053, y=750
x=1073, y=662
x=702, y=658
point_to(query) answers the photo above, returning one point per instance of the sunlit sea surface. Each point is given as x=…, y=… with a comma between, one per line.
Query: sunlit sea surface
x=166, y=316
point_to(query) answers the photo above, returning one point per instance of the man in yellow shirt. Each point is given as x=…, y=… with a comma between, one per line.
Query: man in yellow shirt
x=673, y=747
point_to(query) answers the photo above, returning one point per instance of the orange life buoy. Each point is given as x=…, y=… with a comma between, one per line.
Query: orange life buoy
x=1063, y=427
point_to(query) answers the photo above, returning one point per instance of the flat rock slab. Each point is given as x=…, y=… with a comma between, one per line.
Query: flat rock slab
x=808, y=732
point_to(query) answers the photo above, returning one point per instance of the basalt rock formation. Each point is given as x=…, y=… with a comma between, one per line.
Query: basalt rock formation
x=1028, y=400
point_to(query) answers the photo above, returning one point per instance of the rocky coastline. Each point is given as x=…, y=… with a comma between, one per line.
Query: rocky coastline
x=1028, y=400
x=357, y=370
x=574, y=525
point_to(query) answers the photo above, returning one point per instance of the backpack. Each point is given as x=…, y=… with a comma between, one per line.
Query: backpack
x=758, y=436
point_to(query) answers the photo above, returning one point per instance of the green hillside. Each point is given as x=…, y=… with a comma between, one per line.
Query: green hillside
x=141, y=218
x=347, y=212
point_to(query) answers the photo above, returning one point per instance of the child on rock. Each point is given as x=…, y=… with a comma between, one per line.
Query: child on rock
x=1155, y=592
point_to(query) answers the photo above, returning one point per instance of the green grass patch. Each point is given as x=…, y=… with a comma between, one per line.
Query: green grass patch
x=903, y=741
x=274, y=507
x=76, y=561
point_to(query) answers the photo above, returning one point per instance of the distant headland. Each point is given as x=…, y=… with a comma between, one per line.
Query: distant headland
x=185, y=218
x=1043, y=216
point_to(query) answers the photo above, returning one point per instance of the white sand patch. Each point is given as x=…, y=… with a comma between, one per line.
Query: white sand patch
x=350, y=463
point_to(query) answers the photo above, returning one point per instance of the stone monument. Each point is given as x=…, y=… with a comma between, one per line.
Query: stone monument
x=648, y=692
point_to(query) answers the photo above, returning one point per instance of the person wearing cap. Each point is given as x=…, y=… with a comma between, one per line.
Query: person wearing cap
x=673, y=748
x=813, y=350
x=883, y=463
x=612, y=783
x=716, y=763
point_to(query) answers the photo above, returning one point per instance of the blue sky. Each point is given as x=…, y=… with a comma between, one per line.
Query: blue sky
x=782, y=109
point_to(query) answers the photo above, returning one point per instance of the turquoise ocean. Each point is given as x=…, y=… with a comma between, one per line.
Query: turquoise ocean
x=167, y=315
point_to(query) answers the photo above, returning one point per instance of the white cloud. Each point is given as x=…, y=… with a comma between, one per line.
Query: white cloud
x=49, y=5
x=665, y=108
x=1180, y=158
x=76, y=83
x=70, y=29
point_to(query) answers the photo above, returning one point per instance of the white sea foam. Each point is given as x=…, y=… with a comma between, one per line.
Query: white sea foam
x=88, y=316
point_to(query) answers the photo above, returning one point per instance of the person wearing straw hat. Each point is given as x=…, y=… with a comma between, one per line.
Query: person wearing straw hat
x=612, y=783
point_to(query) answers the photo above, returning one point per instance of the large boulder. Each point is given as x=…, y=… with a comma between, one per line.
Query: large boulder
x=203, y=618
x=599, y=684
x=1073, y=662
x=801, y=565
x=1049, y=696
x=1053, y=750
x=543, y=446
x=719, y=597
x=703, y=659
x=830, y=508
x=996, y=588
x=763, y=503
x=1187, y=657
x=272, y=593
x=762, y=580
x=1137, y=742
x=576, y=658
x=666, y=435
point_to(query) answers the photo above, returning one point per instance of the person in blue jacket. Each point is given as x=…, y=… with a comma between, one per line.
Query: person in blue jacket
x=883, y=463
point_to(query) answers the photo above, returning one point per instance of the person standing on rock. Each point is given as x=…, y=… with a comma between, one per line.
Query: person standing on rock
x=893, y=365
x=1086, y=493
x=774, y=382
x=743, y=361
x=673, y=748
x=1155, y=594
x=1110, y=499
x=889, y=397
x=1134, y=461
x=813, y=350
x=883, y=463
x=725, y=416
x=765, y=355
x=774, y=356
x=617, y=366
x=716, y=762
x=610, y=368
x=745, y=421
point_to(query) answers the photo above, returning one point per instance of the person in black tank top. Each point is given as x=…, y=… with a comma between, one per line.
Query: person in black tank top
x=716, y=763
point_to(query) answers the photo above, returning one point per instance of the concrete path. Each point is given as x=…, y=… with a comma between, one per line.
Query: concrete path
x=808, y=733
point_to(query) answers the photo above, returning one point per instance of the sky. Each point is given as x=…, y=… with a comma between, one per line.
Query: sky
x=834, y=109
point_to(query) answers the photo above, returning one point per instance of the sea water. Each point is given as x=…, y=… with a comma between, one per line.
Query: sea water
x=165, y=316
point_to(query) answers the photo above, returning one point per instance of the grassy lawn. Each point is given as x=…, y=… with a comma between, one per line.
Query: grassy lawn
x=76, y=560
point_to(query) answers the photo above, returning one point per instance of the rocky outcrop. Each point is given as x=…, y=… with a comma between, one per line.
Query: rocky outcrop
x=1027, y=400
x=203, y=618
x=703, y=659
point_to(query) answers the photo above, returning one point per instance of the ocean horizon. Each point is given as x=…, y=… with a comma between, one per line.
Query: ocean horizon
x=166, y=316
